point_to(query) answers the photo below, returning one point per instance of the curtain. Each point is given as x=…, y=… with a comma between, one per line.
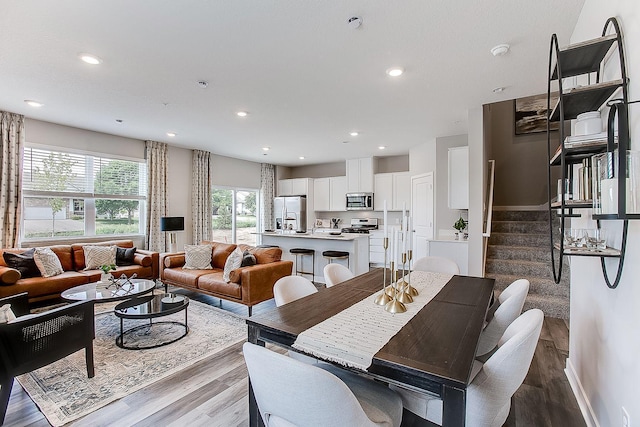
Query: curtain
x=267, y=193
x=156, y=155
x=12, y=140
x=201, y=196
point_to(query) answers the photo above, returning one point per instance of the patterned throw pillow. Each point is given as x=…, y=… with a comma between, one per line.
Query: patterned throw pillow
x=23, y=262
x=6, y=314
x=197, y=257
x=47, y=262
x=97, y=256
x=233, y=261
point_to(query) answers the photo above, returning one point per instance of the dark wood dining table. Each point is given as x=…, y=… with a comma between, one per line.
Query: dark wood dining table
x=434, y=351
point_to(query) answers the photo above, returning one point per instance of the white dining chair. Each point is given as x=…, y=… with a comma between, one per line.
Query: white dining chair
x=489, y=394
x=336, y=273
x=510, y=304
x=291, y=288
x=436, y=264
x=310, y=396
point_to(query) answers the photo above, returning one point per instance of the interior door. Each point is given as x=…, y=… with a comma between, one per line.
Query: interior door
x=422, y=213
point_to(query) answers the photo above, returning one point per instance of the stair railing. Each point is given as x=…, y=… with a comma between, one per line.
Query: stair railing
x=488, y=213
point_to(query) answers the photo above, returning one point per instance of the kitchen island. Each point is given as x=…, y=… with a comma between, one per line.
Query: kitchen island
x=357, y=245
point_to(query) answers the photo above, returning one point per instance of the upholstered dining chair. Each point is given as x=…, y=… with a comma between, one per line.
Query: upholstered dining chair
x=291, y=288
x=489, y=394
x=32, y=341
x=510, y=304
x=436, y=264
x=336, y=273
x=311, y=396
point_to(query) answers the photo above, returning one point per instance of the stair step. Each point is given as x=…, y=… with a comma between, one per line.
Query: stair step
x=519, y=268
x=520, y=216
x=522, y=253
x=519, y=239
x=536, y=227
x=538, y=285
x=550, y=305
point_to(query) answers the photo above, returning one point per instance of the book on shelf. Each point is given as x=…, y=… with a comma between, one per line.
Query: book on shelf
x=574, y=141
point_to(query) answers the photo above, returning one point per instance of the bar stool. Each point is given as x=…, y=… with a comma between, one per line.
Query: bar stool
x=302, y=252
x=333, y=255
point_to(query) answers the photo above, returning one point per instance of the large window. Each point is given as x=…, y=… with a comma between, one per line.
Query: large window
x=235, y=214
x=69, y=194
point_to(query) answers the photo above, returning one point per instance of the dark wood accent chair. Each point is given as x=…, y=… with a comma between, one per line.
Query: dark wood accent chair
x=33, y=341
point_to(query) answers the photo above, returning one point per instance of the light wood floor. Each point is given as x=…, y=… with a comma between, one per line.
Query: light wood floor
x=213, y=392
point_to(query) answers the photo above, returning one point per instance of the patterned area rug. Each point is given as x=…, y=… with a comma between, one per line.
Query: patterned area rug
x=63, y=392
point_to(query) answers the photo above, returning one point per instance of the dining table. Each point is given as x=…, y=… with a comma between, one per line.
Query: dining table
x=433, y=352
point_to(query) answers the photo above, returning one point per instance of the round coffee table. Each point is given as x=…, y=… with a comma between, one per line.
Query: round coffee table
x=107, y=291
x=149, y=307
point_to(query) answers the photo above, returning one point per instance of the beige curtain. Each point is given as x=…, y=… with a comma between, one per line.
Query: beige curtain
x=12, y=137
x=267, y=193
x=156, y=155
x=201, y=196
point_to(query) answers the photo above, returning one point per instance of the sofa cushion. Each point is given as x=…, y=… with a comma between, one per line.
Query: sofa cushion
x=197, y=257
x=48, y=262
x=233, y=261
x=214, y=282
x=23, y=262
x=267, y=255
x=37, y=287
x=185, y=277
x=97, y=256
x=125, y=256
x=221, y=252
x=65, y=255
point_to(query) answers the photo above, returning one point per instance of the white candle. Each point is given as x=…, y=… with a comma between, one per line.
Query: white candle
x=394, y=245
x=385, y=219
x=404, y=234
x=404, y=209
x=410, y=233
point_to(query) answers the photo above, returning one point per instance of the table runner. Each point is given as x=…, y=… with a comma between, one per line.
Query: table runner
x=353, y=336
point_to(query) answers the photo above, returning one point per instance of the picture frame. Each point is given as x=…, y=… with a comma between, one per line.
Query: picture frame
x=530, y=114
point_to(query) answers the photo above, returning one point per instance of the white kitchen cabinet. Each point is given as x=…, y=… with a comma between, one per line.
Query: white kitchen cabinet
x=295, y=187
x=338, y=187
x=376, y=248
x=395, y=188
x=360, y=175
x=329, y=193
x=456, y=250
x=458, y=178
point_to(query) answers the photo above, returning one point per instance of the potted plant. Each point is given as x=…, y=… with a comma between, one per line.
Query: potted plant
x=106, y=269
x=460, y=225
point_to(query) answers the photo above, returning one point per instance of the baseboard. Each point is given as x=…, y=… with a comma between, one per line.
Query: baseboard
x=542, y=207
x=583, y=402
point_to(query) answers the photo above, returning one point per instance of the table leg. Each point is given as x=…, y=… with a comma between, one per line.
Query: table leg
x=255, y=420
x=453, y=406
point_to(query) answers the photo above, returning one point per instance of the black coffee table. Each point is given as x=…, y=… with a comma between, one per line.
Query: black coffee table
x=148, y=308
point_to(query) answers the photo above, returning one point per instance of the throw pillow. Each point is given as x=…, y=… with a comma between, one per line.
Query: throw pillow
x=233, y=261
x=197, y=257
x=6, y=314
x=124, y=256
x=47, y=262
x=248, y=259
x=97, y=256
x=23, y=262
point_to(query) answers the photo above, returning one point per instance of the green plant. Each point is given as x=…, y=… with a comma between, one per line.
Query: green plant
x=460, y=224
x=107, y=268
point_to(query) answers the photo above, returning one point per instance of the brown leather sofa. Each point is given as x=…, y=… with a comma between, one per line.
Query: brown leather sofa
x=72, y=261
x=249, y=285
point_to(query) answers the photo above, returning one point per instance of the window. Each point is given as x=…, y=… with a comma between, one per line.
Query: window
x=69, y=194
x=235, y=214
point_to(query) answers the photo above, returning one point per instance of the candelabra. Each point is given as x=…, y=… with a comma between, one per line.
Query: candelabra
x=383, y=298
x=394, y=306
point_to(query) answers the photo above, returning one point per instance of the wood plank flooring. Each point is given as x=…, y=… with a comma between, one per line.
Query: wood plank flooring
x=213, y=392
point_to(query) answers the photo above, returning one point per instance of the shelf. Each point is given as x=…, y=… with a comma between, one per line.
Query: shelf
x=573, y=204
x=576, y=153
x=584, y=57
x=608, y=252
x=585, y=98
x=615, y=216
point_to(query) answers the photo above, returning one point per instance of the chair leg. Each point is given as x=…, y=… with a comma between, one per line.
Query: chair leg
x=5, y=393
x=88, y=355
x=250, y=310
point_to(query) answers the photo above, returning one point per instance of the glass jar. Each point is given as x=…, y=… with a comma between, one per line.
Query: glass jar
x=605, y=183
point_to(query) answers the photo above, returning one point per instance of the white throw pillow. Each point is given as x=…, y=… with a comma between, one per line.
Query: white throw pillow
x=6, y=314
x=47, y=262
x=97, y=256
x=197, y=257
x=233, y=261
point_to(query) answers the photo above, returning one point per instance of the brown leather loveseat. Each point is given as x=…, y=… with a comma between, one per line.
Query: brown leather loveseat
x=248, y=285
x=145, y=265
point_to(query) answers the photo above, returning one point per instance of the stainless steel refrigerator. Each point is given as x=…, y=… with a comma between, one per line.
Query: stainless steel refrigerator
x=290, y=213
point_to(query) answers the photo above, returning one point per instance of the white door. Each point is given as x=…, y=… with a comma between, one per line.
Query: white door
x=422, y=213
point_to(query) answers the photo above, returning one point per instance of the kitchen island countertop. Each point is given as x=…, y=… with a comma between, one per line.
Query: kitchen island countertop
x=323, y=236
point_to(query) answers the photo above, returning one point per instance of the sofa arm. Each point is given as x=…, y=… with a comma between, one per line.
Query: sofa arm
x=257, y=281
x=170, y=260
x=8, y=275
x=148, y=259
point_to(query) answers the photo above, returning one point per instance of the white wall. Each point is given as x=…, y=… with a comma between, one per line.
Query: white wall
x=445, y=217
x=604, y=342
x=422, y=158
x=477, y=167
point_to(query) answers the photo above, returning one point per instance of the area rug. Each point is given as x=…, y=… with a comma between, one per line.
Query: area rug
x=63, y=392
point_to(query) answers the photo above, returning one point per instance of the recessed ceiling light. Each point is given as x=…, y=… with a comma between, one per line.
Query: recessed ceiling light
x=353, y=133
x=498, y=90
x=500, y=49
x=90, y=59
x=301, y=157
x=242, y=114
x=395, y=71
x=345, y=142
x=33, y=103
x=118, y=120
x=203, y=84
x=171, y=134
x=266, y=148
x=382, y=147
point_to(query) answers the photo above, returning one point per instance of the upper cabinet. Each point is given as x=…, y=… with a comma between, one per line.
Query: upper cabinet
x=395, y=188
x=295, y=187
x=458, y=175
x=360, y=175
x=338, y=187
x=329, y=193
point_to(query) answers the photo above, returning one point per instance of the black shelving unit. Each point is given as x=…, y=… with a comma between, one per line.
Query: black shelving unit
x=579, y=59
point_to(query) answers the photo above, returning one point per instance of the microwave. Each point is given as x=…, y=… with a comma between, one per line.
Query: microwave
x=359, y=201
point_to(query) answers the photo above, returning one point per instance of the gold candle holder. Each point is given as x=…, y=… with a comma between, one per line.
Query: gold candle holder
x=402, y=282
x=410, y=289
x=394, y=306
x=383, y=298
x=391, y=289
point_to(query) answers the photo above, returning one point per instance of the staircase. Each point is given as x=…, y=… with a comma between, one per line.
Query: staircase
x=519, y=248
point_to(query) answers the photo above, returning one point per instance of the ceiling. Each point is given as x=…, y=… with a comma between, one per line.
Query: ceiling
x=306, y=77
